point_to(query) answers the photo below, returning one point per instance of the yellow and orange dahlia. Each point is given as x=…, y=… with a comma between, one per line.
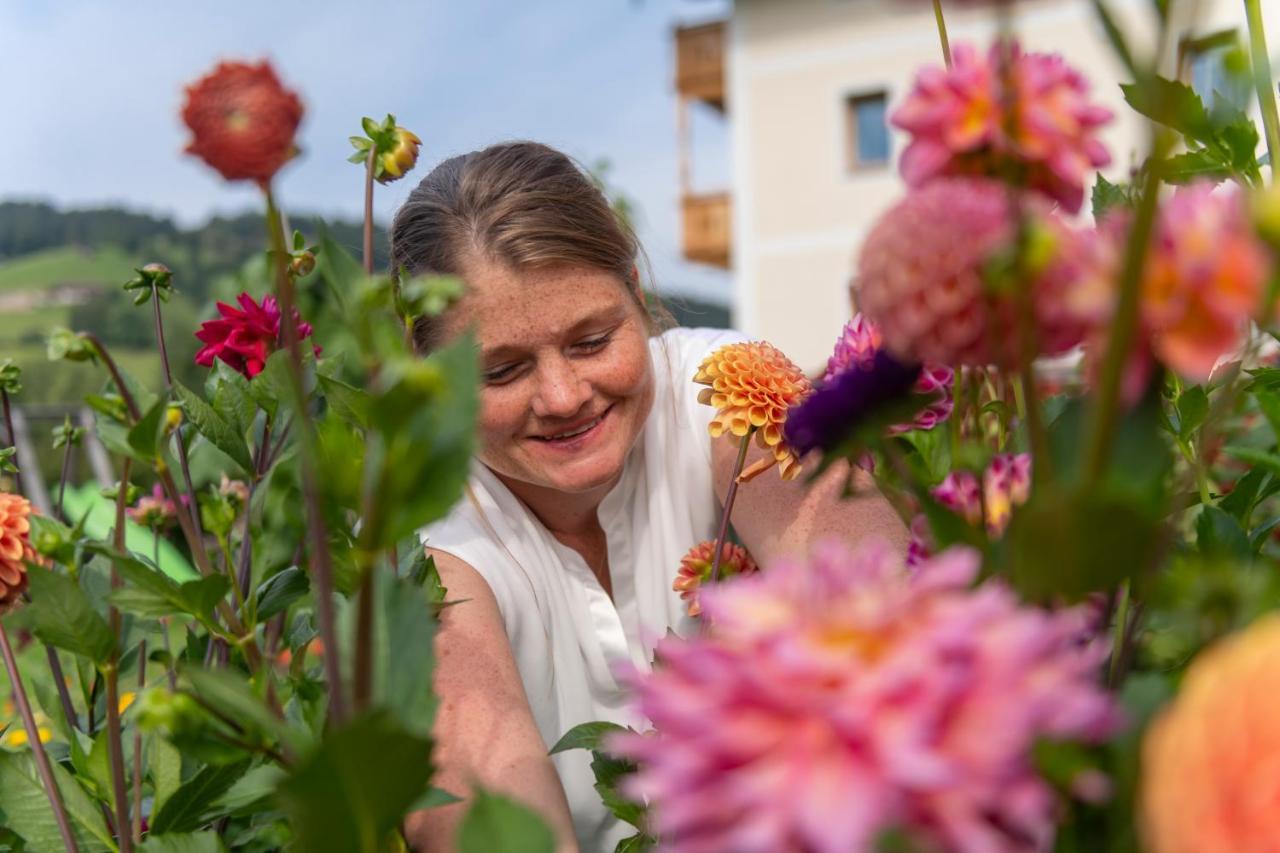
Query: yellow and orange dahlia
x=1210, y=774
x=15, y=547
x=695, y=570
x=751, y=386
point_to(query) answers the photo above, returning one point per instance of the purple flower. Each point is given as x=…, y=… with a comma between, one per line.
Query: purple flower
x=836, y=411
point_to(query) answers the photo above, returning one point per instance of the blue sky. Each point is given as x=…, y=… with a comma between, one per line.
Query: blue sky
x=92, y=90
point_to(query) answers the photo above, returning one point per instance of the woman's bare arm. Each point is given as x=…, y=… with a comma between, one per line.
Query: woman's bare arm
x=484, y=730
x=775, y=517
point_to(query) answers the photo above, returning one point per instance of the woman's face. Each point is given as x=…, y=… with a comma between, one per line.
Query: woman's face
x=566, y=382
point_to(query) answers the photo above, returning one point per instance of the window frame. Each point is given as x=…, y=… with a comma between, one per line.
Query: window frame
x=854, y=164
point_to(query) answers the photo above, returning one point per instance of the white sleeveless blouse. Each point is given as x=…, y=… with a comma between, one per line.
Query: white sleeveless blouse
x=565, y=632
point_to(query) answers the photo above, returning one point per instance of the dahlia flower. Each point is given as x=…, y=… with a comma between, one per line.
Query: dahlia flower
x=242, y=121
x=401, y=157
x=856, y=348
x=1006, y=483
x=1205, y=278
x=695, y=570
x=155, y=510
x=1020, y=116
x=1210, y=775
x=842, y=696
x=751, y=386
x=244, y=337
x=922, y=276
x=15, y=547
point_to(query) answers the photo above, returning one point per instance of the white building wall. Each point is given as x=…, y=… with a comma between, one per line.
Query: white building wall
x=800, y=214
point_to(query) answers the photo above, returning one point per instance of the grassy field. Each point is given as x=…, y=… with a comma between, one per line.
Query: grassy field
x=107, y=267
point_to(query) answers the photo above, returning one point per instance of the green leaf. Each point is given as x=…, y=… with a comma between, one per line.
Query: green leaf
x=637, y=843
x=1107, y=197
x=355, y=787
x=1193, y=408
x=150, y=592
x=166, y=771
x=1269, y=404
x=233, y=697
x=496, y=823
x=1244, y=496
x=347, y=400
x=1254, y=456
x=144, y=436
x=252, y=789
x=27, y=812
x=610, y=771
x=434, y=798
x=228, y=393
x=183, y=842
x=585, y=736
x=280, y=590
x=214, y=427
x=192, y=805
x=1200, y=164
x=1220, y=535
x=339, y=269
x=1173, y=104
x=61, y=615
x=404, y=657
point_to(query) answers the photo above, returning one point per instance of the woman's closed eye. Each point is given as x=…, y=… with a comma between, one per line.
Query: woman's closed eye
x=500, y=375
x=595, y=344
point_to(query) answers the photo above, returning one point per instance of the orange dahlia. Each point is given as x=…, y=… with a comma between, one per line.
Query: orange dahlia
x=695, y=569
x=15, y=547
x=1210, y=772
x=751, y=387
x=242, y=121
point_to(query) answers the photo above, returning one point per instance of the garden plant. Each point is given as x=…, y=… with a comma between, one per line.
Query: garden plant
x=1080, y=650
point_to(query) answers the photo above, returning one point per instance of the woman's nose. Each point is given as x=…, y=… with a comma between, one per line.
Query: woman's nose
x=561, y=392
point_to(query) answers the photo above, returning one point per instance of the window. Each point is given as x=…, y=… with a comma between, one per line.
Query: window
x=1214, y=72
x=868, y=131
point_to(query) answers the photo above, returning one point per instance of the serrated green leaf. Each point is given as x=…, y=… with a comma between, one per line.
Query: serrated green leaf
x=495, y=823
x=585, y=736
x=280, y=590
x=252, y=788
x=166, y=771
x=1173, y=104
x=27, y=811
x=1107, y=197
x=61, y=615
x=1201, y=164
x=228, y=392
x=347, y=400
x=192, y=805
x=150, y=592
x=1193, y=408
x=182, y=842
x=216, y=429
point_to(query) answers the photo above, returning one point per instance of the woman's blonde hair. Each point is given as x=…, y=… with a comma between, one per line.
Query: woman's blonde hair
x=520, y=203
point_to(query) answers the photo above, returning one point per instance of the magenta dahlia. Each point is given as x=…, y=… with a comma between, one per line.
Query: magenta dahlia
x=838, y=697
x=244, y=337
x=923, y=276
x=1043, y=134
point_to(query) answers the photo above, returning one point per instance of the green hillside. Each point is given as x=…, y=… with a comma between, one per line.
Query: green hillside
x=104, y=266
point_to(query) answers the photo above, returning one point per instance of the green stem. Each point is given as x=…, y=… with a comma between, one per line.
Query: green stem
x=1121, y=631
x=43, y=767
x=1263, y=82
x=942, y=31
x=111, y=672
x=368, y=210
x=321, y=565
x=729, y=498
x=183, y=463
x=137, y=748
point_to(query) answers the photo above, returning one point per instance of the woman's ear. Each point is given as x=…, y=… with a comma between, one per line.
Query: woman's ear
x=634, y=282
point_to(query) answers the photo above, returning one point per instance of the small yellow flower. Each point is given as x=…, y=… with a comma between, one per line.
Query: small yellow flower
x=126, y=699
x=751, y=387
x=17, y=736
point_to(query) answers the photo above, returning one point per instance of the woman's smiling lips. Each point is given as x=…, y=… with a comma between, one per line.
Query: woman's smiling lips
x=576, y=435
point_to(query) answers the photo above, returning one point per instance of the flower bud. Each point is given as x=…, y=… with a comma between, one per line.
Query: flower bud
x=303, y=264
x=172, y=418
x=400, y=157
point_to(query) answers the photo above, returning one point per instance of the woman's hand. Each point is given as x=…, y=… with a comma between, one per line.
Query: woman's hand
x=484, y=731
x=776, y=517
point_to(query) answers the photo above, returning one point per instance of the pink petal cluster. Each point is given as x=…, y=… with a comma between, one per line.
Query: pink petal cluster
x=244, y=337
x=923, y=276
x=155, y=510
x=1006, y=483
x=856, y=349
x=1023, y=117
x=839, y=697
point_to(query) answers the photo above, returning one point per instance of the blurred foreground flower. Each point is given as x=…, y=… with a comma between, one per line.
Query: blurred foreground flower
x=1211, y=776
x=925, y=273
x=1043, y=134
x=856, y=349
x=751, y=387
x=15, y=547
x=244, y=337
x=695, y=570
x=835, y=413
x=155, y=510
x=840, y=697
x=242, y=121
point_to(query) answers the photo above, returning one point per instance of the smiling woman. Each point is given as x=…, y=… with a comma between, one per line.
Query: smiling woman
x=593, y=475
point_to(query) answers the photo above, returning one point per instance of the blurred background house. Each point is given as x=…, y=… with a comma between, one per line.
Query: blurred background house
x=806, y=88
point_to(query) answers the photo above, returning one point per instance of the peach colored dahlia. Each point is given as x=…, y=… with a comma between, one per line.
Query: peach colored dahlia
x=242, y=120
x=1043, y=135
x=15, y=547
x=695, y=570
x=751, y=385
x=1211, y=761
x=838, y=697
x=922, y=276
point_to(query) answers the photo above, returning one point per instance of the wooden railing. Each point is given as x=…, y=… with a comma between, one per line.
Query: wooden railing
x=708, y=228
x=700, y=60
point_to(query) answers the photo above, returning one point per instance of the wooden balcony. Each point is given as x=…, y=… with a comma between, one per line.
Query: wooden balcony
x=707, y=228
x=700, y=59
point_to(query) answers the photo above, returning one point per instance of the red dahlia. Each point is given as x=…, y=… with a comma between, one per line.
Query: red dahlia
x=244, y=337
x=242, y=121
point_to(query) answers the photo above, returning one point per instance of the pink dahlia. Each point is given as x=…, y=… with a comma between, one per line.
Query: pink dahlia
x=1005, y=484
x=839, y=697
x=244, y=337
x=856, y=350
x=923, y=276
x=1043, y=134
x=695, y=570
